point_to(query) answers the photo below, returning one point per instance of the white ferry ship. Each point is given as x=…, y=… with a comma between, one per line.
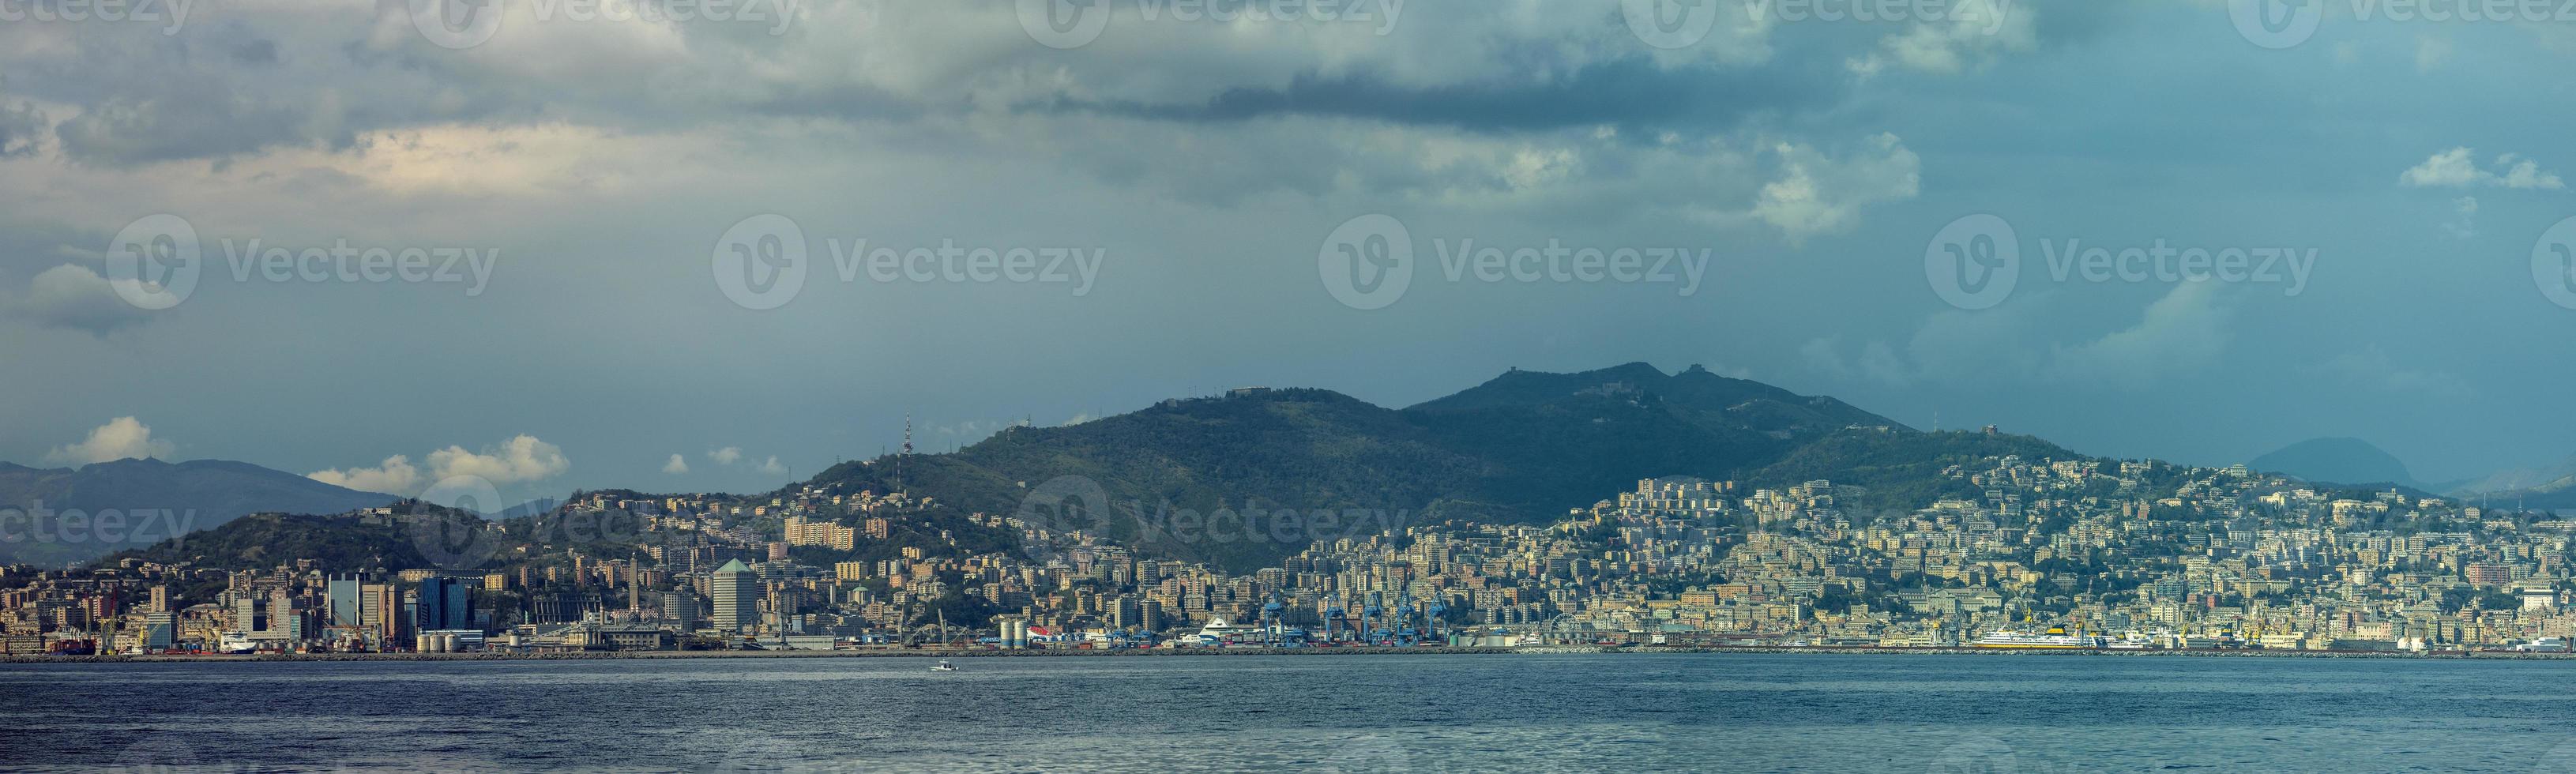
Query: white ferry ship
x=2055, y=638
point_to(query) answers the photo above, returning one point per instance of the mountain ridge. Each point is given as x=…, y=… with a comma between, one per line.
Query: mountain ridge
x=192, y=495
x=1520, y=448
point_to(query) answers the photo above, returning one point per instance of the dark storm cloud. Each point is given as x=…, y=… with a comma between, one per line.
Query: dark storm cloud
x=1626, y=93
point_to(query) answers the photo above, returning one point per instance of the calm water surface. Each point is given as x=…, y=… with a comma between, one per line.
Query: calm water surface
x=1360, y=713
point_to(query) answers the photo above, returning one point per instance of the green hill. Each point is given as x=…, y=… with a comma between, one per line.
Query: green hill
x=1523, y=448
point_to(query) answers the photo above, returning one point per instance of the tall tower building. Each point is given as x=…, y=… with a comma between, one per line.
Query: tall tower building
x=634, y=584
x=737, y=597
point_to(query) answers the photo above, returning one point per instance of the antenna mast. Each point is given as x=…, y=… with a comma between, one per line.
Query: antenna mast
x=907, y=451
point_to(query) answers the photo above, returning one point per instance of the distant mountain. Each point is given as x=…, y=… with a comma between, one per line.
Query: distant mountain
x=1521, y=448
x=2546, y=478
x=156, y=499
x=2337, y=460
x=2550, y=487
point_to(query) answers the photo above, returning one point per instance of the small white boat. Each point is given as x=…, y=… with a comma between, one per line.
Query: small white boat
x=943, y=666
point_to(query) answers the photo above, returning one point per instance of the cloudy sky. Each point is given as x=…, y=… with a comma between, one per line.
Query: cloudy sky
x=678, y=247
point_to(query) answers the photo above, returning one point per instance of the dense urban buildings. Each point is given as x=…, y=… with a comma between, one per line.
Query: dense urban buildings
x=2126, y=554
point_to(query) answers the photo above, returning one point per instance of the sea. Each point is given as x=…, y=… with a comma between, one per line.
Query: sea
x=1439, y=713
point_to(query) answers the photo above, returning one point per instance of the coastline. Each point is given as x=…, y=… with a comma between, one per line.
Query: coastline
x=1231, y=652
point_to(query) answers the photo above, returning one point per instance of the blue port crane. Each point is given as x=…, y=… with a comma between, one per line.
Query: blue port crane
x=1332, y=614
x=1431, y=621
x=1369, y=624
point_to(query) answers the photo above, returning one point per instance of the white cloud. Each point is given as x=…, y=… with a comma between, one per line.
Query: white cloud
x=730, y=456
x=2431, y=52
x=2527, y=174
x=1817, y=194
x=1972, y=34
x=121, y=438
x=2182, y=333
x=2464, y=218
x=395, y=475
x=76, y=297
x=676, y=466
x=521, y=459
x=2458, y=168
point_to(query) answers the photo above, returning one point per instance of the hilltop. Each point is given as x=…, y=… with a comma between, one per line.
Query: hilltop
x=1521, y=448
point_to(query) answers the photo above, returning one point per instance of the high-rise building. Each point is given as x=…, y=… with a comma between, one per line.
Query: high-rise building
x=160, y=630
x=343, y=596
x=284, y=621
x=443, y=604
x=737, y=597
x=680, y=610
x=380, y=612
x=247, y=614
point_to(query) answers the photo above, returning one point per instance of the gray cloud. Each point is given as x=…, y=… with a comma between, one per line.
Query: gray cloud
x=604, y=159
